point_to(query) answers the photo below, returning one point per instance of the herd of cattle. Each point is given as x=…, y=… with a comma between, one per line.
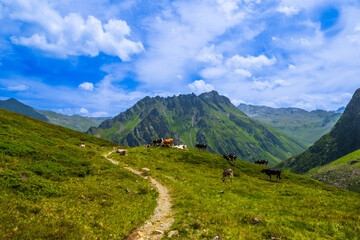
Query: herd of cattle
x=228, y=173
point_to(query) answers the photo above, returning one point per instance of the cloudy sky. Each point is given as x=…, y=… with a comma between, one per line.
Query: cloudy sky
x=98, y=57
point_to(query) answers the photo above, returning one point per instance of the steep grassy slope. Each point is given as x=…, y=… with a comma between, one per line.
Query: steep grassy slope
x=50, y=188
x=75, y=122
x=15, y=106
x=343, y=139
x=190, y=119
x=343, y=173
x=308, y=126
x=296, y=207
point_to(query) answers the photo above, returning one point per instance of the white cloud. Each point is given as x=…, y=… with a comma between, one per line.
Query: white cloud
x=250, y=62
x=83, y=111
x=357, y=28
x=291, y=67
x=100, y=114
x=288, y=11
x=72, y=34
x=199, y=86
x=87, y=86
x=18, y=88
x=243, y=73
x=207, y=55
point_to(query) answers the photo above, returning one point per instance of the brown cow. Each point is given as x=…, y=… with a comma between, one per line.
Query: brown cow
x=168, y=142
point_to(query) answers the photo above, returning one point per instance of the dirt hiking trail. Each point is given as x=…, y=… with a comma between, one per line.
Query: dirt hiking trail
x=161, y=220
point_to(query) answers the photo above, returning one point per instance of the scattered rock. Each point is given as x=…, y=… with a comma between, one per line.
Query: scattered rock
x=158, y=232
x=221, y=192
x=140, y=234
x=151, y=189
x=217, y=238
x=146, y=169
x=173, y=233
x=136, y=181
x=256, y=220
x=275, y=238
x=24, y=176
x=128, y=191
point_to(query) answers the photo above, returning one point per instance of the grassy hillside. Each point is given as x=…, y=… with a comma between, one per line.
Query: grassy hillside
x=343, y=173
x=208, y=118
x=50, y=188
x=75, y=122
x=343, y=139
x=307, y=126
x=296, y=207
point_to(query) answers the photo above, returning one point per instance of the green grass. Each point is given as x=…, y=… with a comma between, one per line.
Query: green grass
x=296, y=207
x=50, y=188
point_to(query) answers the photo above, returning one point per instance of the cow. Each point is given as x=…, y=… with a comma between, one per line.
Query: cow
x=230, y=157
x=122, y=151
x=272, y=171
x=147, y=145
x=168, y=143
x=82, y=145
x=261, y=162
x=183, y=147
x=201, y=146
x=227, y=173
x=157, y=142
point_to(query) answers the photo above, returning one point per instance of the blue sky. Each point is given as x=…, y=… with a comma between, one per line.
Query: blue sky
x=97, y=58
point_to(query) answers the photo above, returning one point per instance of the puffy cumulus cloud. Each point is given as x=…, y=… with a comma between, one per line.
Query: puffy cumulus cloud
x=288, y=11
x=83, y=111
x=208, y=55
x=72, y=34
x=250, y=62
x=199, y=86
x=87, y=86
x=18, y=88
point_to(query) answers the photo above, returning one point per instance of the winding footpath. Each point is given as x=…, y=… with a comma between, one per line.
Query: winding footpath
x=161, y=220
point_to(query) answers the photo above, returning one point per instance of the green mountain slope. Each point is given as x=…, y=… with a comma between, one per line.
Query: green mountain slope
x=343, y=173
x=190, y=119
x=308, y=126
x=296, y=207
x=343, y=139
x=51, y=188
x=14, y=105
x=75, y=122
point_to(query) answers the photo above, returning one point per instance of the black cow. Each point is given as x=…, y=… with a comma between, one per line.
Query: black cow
x=201, y=146
x=157, y=142
x=261, y=162
x=272, y=171
x=227, y=173
x=230, y=157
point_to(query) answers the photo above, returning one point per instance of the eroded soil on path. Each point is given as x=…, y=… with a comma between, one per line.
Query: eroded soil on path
x=161, y=220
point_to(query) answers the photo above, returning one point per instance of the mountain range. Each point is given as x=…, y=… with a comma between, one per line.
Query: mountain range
x=343, y=139
x=307, y=126
x=189, y=119
x=74, y=122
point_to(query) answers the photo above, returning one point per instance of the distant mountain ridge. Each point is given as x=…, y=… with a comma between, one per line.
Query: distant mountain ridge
x=190, y=119
x=308, y=126
x=14, y=105
x=74, y=122
x=343, y=139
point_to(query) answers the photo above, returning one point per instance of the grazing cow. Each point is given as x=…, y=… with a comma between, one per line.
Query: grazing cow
x=82, y=145
x=157, y=142
x=201, y=146
x=168, y=143
x=230, y=157
x=122, y=151
x=227, y=173
x=262, y=162
x=147, y=145
x=182, y=147
x=272, y=171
